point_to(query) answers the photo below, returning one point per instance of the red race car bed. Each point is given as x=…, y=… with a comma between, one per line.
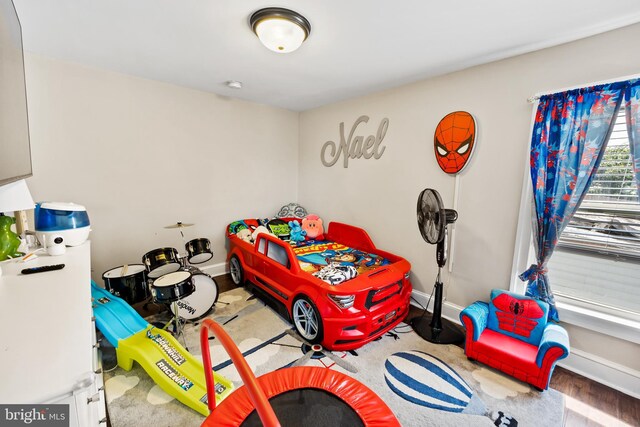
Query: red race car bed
x=341, y=292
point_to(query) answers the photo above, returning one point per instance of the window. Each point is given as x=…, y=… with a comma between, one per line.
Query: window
x=262, y=247
x=278, y=253
x=597, y=260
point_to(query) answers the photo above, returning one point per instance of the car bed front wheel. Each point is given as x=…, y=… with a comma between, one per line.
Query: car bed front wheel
x=237, y=273
x=307, y=320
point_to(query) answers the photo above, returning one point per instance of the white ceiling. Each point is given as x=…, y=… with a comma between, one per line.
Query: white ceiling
x=355, y=47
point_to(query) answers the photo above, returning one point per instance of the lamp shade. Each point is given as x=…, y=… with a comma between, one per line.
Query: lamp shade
x=280, y=30
x=15, y=197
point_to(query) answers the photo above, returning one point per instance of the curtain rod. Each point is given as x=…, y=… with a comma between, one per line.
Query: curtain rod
x=537, y=96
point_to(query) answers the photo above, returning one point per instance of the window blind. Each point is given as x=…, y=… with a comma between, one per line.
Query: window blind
x=608, y=220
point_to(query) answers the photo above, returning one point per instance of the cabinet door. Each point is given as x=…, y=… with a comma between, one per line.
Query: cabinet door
x=78, y=408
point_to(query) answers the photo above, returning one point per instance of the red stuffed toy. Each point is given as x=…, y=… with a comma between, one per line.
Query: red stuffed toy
x=312, y=224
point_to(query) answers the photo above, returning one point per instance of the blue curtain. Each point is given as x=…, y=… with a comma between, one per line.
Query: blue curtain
x=632, y=110
x=569, y=133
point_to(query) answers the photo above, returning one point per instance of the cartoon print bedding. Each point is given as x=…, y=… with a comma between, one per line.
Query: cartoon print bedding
x=334, y=262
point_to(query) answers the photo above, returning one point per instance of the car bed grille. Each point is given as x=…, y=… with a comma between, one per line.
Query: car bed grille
x=383, y=294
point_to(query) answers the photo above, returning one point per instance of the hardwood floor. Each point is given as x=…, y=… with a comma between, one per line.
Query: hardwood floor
x=587, y=403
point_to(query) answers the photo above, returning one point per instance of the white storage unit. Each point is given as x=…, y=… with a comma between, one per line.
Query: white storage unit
x=48, y=351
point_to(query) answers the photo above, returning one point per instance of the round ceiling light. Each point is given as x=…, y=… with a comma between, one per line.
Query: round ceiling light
x=280, y=30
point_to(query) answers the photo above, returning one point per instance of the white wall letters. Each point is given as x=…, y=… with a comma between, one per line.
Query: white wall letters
x=354, y=148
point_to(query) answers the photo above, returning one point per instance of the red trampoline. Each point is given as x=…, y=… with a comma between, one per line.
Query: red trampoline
x=308, y=396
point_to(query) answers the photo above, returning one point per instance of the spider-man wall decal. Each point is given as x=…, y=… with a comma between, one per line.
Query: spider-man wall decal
x=454, y=141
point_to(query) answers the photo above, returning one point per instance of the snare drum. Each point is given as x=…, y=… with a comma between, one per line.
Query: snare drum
x=199, y=251
x=128, y=282
x=161, y=261
x=202, y=300
x=172, y=287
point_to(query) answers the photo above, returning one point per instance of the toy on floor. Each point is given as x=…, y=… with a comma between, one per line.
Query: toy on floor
x=172, y=367
x=344, y=400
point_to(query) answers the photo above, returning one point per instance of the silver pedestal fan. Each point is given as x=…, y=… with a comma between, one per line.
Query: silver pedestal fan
x=433, y=219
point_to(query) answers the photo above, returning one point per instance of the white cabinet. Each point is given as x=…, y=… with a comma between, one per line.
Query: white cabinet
x=47, y=336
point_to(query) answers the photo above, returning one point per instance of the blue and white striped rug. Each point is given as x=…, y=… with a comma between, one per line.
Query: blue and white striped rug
x=426, y=380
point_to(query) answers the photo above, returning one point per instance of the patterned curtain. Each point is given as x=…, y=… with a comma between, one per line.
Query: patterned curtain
x=570, y=131
x=632, y=110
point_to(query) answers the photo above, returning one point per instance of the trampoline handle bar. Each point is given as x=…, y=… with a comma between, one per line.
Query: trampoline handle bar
x=257, y=396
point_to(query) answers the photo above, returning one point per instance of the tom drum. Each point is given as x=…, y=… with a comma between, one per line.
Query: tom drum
x=161, y=261
x=199, y=251
x=128, y=282
x=172, y=287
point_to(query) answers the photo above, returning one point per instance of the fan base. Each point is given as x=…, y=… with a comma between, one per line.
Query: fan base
x=448, y=334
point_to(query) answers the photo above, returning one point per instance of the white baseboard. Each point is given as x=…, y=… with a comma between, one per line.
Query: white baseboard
x=611, y=374
x=449, y=311
x=216, y=269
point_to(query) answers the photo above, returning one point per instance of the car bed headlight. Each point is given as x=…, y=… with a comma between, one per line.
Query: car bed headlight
x=343, y=301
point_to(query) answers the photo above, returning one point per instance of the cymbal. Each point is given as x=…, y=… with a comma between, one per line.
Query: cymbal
x=179, y=225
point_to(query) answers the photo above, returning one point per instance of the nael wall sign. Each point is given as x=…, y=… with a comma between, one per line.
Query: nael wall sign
x=355, y=147
x=454, y=141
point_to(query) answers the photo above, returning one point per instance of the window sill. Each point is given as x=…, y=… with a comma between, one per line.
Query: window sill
x=625, y=329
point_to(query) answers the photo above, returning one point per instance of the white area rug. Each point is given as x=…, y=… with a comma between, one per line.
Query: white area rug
x=134, y=400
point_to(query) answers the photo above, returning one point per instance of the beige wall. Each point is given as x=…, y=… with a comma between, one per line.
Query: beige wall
x=381, y=195
x=141, y=155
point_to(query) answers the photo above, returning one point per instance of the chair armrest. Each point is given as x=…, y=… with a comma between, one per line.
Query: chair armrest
x=553, y=336
x=478, y=313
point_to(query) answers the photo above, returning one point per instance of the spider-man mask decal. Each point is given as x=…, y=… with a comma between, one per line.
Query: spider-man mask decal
x=454, y=141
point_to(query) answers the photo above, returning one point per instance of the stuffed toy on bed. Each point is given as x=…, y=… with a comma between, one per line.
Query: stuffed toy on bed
x=297, y=233
x=245, y=234
x=260, y=229
x=312, y=224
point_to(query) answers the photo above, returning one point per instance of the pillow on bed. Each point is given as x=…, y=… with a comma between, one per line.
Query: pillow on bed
x=280, y=228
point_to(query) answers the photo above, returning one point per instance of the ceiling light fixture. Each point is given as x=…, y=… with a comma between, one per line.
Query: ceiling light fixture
x=280, y=30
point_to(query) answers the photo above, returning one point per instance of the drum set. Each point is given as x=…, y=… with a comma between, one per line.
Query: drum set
x=168, y=278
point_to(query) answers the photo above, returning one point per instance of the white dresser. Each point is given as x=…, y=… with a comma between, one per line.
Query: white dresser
x=48, y=351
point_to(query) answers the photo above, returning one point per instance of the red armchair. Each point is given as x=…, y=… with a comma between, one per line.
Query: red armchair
x=511, y=334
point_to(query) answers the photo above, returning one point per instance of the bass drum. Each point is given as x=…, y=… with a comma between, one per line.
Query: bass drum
x=202, y=300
